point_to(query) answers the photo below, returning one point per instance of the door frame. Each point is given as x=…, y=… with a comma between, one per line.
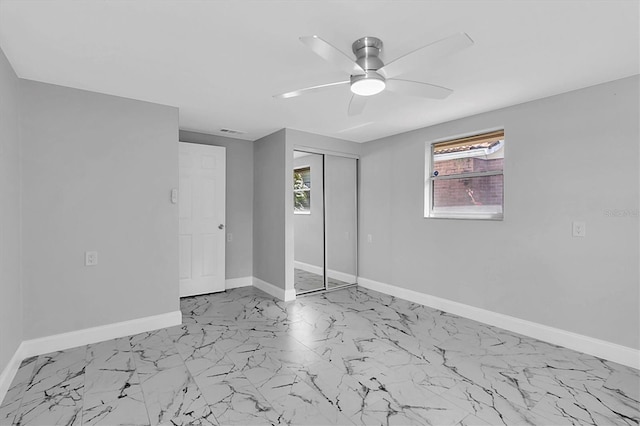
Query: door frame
x=221, y=275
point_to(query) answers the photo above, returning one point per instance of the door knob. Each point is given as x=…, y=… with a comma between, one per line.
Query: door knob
x=221, y=226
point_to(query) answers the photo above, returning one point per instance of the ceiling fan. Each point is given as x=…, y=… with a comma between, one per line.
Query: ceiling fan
x=368, y=75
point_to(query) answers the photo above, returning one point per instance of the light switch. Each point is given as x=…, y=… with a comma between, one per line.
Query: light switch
x=579, y=229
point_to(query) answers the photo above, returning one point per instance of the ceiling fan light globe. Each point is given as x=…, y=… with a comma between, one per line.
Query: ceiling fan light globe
x=367, y=85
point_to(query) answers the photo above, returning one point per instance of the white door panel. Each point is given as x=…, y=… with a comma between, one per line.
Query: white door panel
x=202, y=215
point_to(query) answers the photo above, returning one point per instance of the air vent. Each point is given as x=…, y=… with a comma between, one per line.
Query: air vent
x=232, y=132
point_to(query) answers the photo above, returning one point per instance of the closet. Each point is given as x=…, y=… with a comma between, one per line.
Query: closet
x=325, y=205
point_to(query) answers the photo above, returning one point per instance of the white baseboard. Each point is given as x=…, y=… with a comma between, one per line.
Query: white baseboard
x=318, y=270
x=238, y=282
x=341, y=276
x=9, y=372
x=277, y=292
x=290, y=295
x=589, y=345
x=86, y=336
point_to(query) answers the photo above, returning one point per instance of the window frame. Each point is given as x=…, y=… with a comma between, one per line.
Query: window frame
x=307, y=190
x=430, y=180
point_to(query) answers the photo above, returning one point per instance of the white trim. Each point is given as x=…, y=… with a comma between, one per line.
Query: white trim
x=72, y=339
x=318, y=270
x=9, y=372
x=312, y=150
x=589, y=345
x=59, y=342
x=342, y=276
x=277, y=292
x=238, y=282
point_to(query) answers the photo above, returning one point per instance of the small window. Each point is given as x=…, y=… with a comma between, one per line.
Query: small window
x=302, y=190
x=465, y=178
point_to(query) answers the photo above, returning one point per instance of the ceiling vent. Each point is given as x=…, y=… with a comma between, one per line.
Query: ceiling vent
x=232, y=132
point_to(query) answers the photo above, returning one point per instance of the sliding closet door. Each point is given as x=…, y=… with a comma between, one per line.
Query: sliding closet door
x=308, y=221
x=341, y=217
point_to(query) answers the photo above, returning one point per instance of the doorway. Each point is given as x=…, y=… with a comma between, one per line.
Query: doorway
x=201, y=208
x=325, y=221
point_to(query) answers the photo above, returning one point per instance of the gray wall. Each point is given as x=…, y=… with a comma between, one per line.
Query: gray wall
x=341, y=215
x=308, y=229
x=569, y=157
x=270, y=196
x=11, y=322
x=239, y=209
x=375, y=211
x=96, y=175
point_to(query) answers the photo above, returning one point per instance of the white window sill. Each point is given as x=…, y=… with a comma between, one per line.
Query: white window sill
x=467, y=212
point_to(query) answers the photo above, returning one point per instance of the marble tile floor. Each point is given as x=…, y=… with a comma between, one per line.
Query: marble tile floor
x=307, y=281
x=347, y=357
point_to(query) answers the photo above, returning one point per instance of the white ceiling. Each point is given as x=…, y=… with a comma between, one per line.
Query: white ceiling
x=220, y=62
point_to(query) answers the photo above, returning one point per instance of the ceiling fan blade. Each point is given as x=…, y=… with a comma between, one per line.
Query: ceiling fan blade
x=356, y=105
x=309, y=90
x=427, y=54
x=415, y=88
x=331, y=54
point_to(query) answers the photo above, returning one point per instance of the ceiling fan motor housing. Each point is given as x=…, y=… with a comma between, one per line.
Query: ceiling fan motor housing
x=370, y=83
x=367, y=50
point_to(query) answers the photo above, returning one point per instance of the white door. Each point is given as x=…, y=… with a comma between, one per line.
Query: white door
x=202, y=207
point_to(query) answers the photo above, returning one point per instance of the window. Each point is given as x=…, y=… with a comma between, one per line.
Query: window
x=302, y=190
x=465, y=177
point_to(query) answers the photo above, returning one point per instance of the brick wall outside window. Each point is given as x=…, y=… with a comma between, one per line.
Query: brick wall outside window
x=486, y=190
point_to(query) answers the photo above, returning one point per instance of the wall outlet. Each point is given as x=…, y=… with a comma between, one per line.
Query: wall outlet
x=579, y=229
x=229, y=237
x=369, y=238
x=90, y=258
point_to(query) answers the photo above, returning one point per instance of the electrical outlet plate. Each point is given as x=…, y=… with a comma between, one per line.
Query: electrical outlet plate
x=90, y=258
